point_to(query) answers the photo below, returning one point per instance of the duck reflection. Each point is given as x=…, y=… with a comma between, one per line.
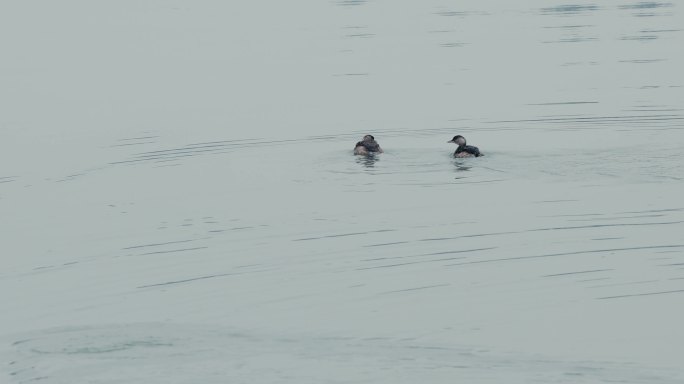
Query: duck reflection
x=368, y=160
x=461, y=166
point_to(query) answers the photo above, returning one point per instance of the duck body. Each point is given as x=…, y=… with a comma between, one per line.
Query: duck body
x=467, y=151
x=367, y=146
x=361, y=150
x=464, y=150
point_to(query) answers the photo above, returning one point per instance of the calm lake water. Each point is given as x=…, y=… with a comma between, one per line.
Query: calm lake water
x=180, y=202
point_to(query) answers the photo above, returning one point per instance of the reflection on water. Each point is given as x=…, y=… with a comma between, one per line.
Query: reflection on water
x=648, y=9
x=642, y=38
x=367, y=161
x=462, y=165
x=569, y=9
x=350, y=2
x=572, y=33
x=646, y=5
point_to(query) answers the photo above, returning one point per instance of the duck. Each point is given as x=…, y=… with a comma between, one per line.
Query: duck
x=367, y=146
x=464, y=150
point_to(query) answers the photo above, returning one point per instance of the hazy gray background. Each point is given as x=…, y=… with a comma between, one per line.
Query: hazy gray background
x=180, y=204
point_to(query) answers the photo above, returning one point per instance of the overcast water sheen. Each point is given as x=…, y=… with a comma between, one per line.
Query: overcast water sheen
x=179, y=202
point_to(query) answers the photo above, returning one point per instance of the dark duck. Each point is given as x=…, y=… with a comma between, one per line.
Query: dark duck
x=464, y=150
x=367, y=146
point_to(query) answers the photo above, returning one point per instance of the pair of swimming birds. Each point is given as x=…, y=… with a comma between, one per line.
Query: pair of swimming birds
x=368, y=146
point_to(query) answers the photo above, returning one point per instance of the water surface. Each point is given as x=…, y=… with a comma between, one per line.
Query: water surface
x=180, y=202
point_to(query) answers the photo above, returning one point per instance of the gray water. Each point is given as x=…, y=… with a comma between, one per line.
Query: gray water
x=180, y=203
